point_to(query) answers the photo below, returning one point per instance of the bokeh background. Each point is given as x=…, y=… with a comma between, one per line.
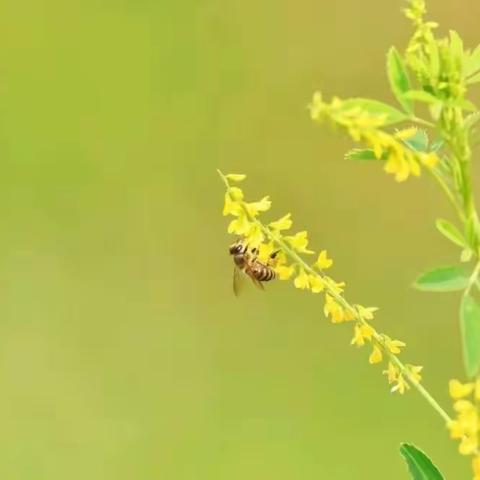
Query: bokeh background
x=123, y=353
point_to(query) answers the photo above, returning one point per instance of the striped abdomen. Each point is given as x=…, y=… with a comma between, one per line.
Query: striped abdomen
x=263, y=273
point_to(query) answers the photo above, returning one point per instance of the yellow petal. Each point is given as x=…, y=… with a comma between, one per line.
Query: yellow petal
x=468, y=445
x=455, y=429
x=367, y=331
x=255, y=236
x=366, y=312
x=406, y=133
x=283, y=223
x=463, y=406
x=415, y=372
x=395, y=345
x=476, y=465
x=235, y=193
x=323, y=261
x=357, y=337
x=235, y=177
x=240, y=226
x=255, y=207
x=459, y=390
x=284, y=272
x=391, y=372
x=302, y=281
x=299, y=242
x=230, y=207
x=401, y=386
x=376, y=355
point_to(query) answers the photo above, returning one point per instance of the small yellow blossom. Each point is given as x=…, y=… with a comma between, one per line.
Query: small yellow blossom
x=468, y=446
x=240, y=226
x=376, y=355
x=265, y=250
x=462, y=406
x=415, y=372
x=460, y=390
x=323, y=261
x=230, y=207
x=254, y=208
x=255, y=236
x=394, y=345
x=284, y=272
x=316, y=283
x=391, y=372
x=336, y=287
x=299, y=242
x=235, y=177
x=476, y=467
x=358, y=339
x=401, y=385
x=283, y=223
x=333, y=309
x=302, y=280
x=366, y=312
x=236, y=194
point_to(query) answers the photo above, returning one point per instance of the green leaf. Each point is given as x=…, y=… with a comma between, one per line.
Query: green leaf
x=398, y=77
x=421, y=96
x=360, y=154
x=419, y=465
x=443, y=279
x=450, y=231
x=474, y=79
x=470, y=328
x=374, y=107
x=419, y=141
x=472, y=63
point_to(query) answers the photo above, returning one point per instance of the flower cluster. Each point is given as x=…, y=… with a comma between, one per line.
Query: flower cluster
x=466, y=426
x=364, y=126
x=289, y=264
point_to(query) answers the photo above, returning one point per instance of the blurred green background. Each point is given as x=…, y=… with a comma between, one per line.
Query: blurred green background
x=123, y=353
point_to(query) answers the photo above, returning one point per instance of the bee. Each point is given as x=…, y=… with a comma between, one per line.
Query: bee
x=246, y=260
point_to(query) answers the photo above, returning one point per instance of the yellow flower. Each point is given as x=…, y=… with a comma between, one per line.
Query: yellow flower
x=255, y=236
x=283, y=223
x=299, y=242
x=333, y=309
x=391, y=372
x=358, y=338
x=316, y=283
x=240, y=226
x=230, y=207
x=415, y=372
x=323, y=261
x=394, y=345
x=302, y=280
x=376, y=355
x=264, y=251
x=468, y=445
x=235, y=177
x=236, y=194
x=366, y=312
x=254, y=208
x=401, y=386
x=284, y=272
x=462, y=406
x=459, y=390
x=336, y=287
x=476, y=467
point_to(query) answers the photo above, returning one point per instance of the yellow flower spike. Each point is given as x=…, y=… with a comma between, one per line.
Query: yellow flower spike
x=415, y=372
x=255, y=208
x=394, y=346
x=323, y=262
x=366, y=312
x=401, y=386
x=459, y=390
x=299, y=242
x=391, y=373
x=235, y=177
x=376, y=355
x=358, y=338
x=236, y=194
x=302, y=280
x=284, y=272
x=240, y=226
x=283, y=223
x=316, y=283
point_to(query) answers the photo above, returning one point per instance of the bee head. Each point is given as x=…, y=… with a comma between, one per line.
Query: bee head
x=236, y=248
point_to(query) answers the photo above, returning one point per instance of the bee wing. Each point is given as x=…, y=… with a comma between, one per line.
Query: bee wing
x=237, y=281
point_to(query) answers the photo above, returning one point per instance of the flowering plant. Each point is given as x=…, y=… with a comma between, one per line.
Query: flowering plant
x=434, y=73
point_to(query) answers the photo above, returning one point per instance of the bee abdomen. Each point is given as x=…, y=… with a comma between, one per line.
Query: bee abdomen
x=266, y=274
